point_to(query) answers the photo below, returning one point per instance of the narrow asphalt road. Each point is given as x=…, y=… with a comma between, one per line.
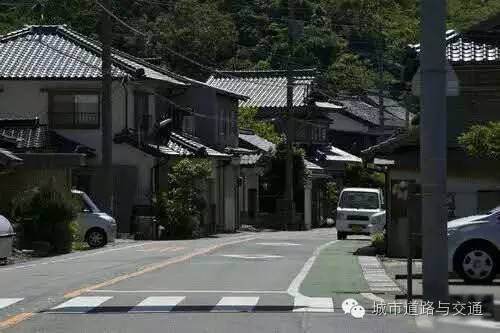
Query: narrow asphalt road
x=246, y=283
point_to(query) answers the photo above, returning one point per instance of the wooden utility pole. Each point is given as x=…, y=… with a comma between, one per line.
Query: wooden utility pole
x=106, y=108
x=290, y=132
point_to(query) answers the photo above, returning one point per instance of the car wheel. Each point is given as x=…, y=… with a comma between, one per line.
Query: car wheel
x=476, y=263
x=96, y=238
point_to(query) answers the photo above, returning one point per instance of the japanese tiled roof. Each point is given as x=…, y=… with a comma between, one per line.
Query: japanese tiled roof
x=24, y=134
x=398, y=140
x=178, y=145
x=57, y=52
x=465, y=50
x=265, y=89
x=368, y=111
x=250, y=139
x=8, y=159
x=28, y=135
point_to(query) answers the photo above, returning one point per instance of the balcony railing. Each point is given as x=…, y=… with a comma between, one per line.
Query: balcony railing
x=74, y=120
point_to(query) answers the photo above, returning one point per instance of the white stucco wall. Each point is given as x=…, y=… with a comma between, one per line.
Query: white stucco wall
x=465, y=190
x=250, y=181
x=30, y=99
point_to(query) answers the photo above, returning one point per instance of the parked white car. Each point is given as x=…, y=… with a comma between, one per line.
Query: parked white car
x=360, y=211
x=96, y=228
x=474, y=247
x=6, y=238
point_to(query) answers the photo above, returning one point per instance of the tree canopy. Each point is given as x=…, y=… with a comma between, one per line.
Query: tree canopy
x=482, y=141
x=341, y=38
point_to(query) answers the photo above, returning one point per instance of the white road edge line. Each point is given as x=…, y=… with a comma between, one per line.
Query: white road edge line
x=72, y=258
x=106, y=291
x=293, y=289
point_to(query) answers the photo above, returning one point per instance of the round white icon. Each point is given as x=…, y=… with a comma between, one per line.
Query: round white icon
x=358, y=311
x=348, y=304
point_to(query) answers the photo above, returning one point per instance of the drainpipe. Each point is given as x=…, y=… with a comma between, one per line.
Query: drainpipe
x=125, y=90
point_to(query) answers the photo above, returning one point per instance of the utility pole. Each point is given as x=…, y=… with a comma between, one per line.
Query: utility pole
x=290, y=132
x=381, y=86
x=433, y=150
x=106, y=108
x=381, y=76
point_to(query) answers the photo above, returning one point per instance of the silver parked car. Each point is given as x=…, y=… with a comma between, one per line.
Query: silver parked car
x=96, y=228
x=474, y=247
x=6, y=238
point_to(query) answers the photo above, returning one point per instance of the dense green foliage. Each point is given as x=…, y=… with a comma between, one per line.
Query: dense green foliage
x=340, y=37
x=179, y=209
x=358, y=176
x=47, y=214
x=482, y=140
x=275, y=174
x=264, y=129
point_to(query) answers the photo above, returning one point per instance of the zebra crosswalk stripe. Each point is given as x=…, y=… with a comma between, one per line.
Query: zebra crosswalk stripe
x=5, y=302
x=158, y=304
x=313, y=304
x=81, y=304
x=166, y=304
x=236, y=304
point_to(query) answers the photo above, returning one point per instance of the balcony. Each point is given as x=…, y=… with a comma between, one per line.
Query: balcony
x=74, y=120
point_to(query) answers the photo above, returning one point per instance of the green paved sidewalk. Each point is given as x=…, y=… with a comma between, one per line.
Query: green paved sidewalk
x=336, y=270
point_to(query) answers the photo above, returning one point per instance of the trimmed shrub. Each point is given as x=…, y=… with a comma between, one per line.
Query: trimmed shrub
x=47, y=214
x=378, y=242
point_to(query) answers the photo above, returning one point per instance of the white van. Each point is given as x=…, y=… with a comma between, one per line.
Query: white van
x=96, y=228
x=360, y=211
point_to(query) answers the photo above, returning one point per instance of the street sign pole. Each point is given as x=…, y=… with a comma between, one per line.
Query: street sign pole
x=433, y=150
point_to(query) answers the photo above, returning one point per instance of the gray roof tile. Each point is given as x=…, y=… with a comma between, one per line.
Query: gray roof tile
x=57, y=52
x=265, y=89
x=360, y=109
x=460, y=49
x=256, y=141
x=8, y=159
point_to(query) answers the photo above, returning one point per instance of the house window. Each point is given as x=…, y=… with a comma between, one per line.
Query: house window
x=74, y=110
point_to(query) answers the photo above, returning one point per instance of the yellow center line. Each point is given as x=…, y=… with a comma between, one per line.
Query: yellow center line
x=14, y=320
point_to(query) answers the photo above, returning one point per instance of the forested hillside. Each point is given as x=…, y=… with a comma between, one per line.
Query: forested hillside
x=341, y=38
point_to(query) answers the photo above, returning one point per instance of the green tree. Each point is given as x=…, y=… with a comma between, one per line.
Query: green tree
x=350, y=73
x=358, y=176
x=275, y=174
x=197, y=29
x=265, y=129
x=482, y=141
x=47, y=214
x=180, y=208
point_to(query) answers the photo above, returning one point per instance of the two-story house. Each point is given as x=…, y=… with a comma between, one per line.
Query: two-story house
x=53, y=74
x=267, y=92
